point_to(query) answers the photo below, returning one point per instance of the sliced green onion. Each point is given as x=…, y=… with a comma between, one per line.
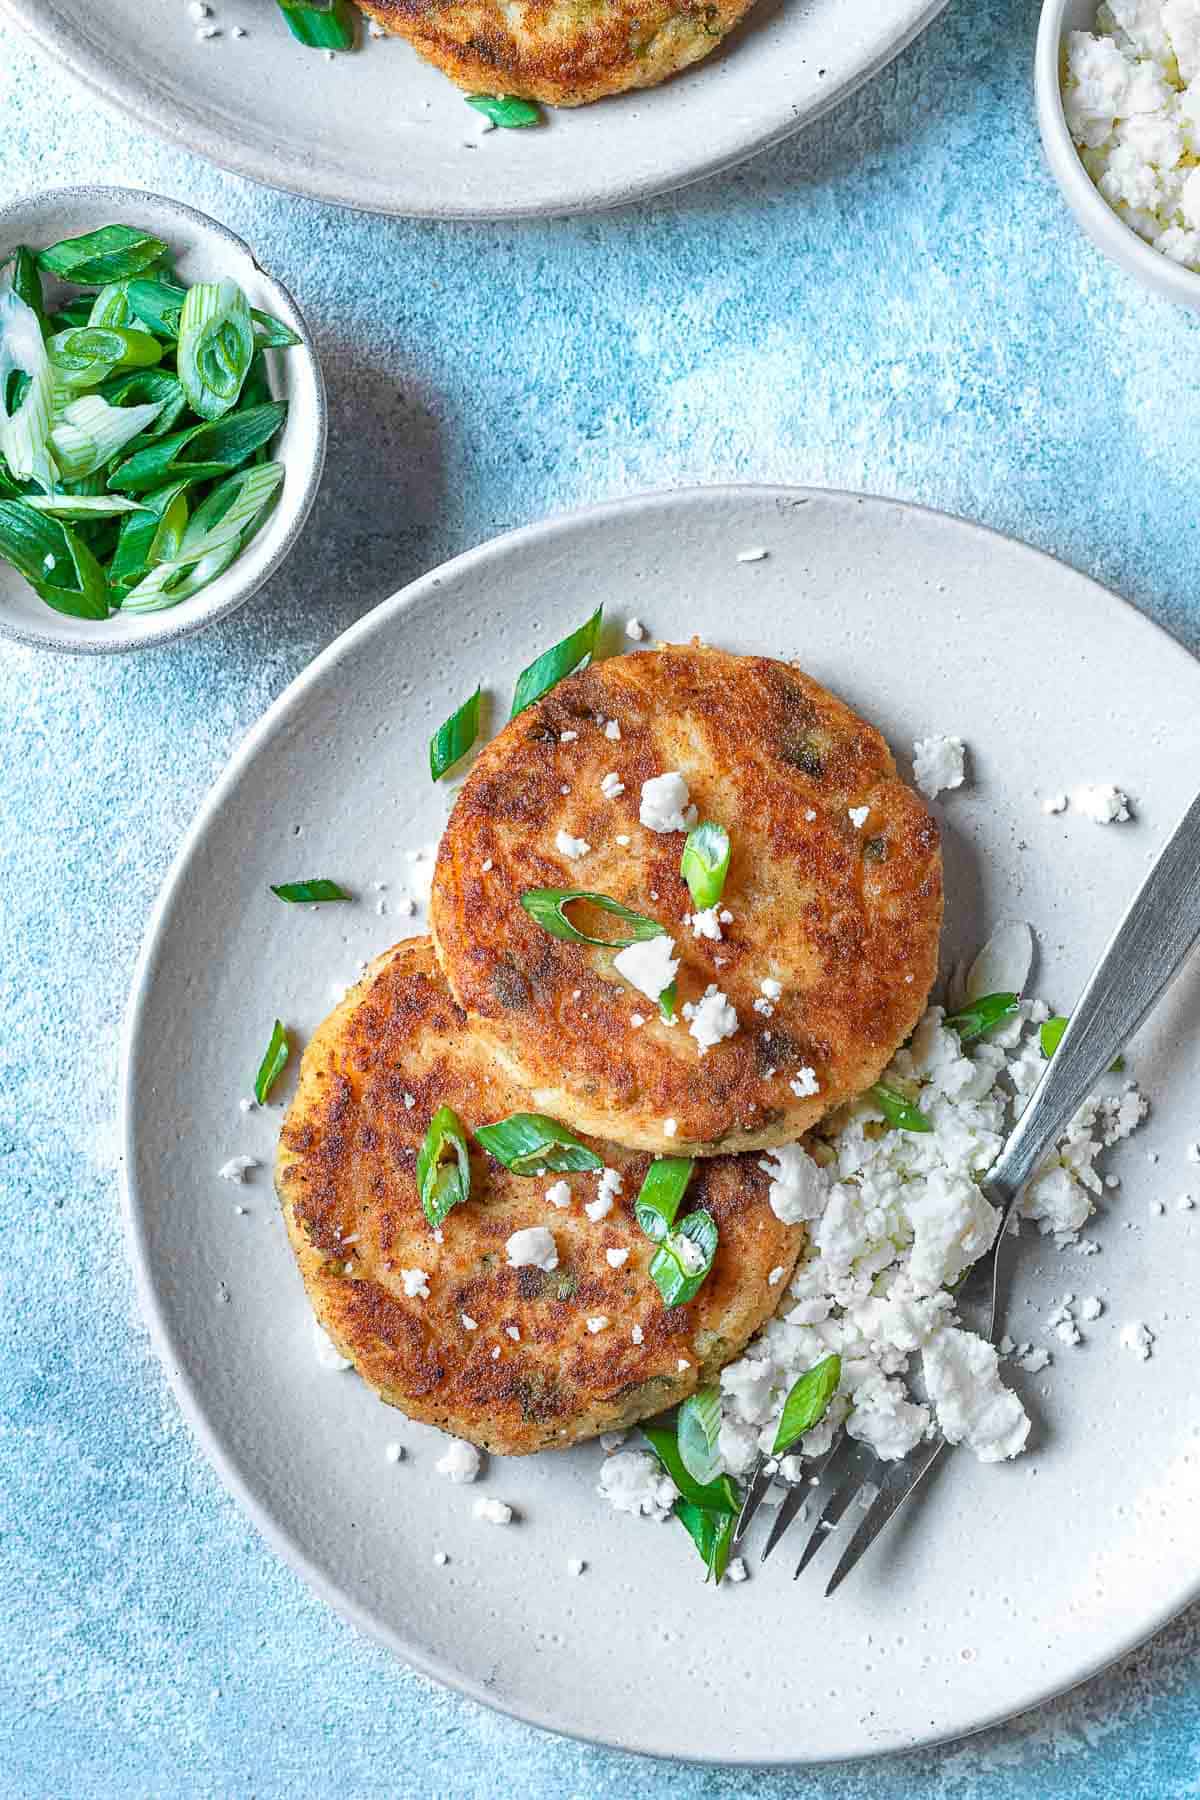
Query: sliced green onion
x=451, y=741
x=899, y=1111
x=547, y=906
x=719, y=1496
x=228, y=510
x=667, y=1000
x=154, y=534
x=85, y=357
x=216, y=344
x=215, y=449
x=977, y=1016
x=167, y=585
x=273, y=1063
x=111, y=306
x=443, y=1166
x=56, y=563
x=705, y=863
x=315, y=893
x=320, y=24
x=271, y=334
x=71, y=315
x=697, y=1430
x=88, y=433
x=712, y=1534
x=159, y=305
x=25, y=435
x=681, y=1264
x=110, y=254
x=661, y=1193
x=526, y=1143
x=83, y=506
x=145, y=387
x=506, y=110
x=807, y=1403
x=26, y=282
x=1050, y=1038
x=550, y=667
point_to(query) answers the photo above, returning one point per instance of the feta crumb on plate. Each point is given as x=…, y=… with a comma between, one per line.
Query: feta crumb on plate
x=459, y=1463
x=632, y=1481
x=858, y=816
x=493, y=1512
x=236, y=1168
x=1138, y=1338
x=558, y=1194
x=939, y=764
x=635, y=629
x=532, y=1248
x=1103, y=803
x=328, y=1354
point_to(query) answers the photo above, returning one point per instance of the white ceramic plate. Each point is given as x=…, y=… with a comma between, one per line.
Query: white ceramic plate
x=1009, y=1583
x=383, y=130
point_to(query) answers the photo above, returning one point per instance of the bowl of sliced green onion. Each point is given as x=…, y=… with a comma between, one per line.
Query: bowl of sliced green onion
x=162, y=420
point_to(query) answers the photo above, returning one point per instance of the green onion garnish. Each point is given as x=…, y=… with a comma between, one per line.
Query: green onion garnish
x=529, y=1142
x=550, y=667
x=719, y=1495
x=697, y=1430
x=82, y=506
x=807, y=1403
x=978, y=1016
x=88, y=433
x=681, y=1264
x=88, y=355
x=25, y=431
x=316, y=893
x=667, y=1000
x=27, y=283
x=506, y=110
x=897, y=1109
x=55, y=562
x=216, y=343
x=548, y=907
x=705, y=863
x=661, y=1193
x=273, y=1063
x=443, y=1166
x=1050, y=1038
x=451, y=741
x=111, y=254
x=320, y=24
x=213, y=449
x=712, y=1534
x=229, y=512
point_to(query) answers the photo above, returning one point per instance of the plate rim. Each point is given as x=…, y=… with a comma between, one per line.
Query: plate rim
x=154, y=1314
x=188, y=127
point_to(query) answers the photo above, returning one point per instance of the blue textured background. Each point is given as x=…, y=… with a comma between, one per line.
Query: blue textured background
x=896, y=301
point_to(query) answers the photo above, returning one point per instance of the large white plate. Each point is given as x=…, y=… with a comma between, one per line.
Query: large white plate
x=383, y=130
x=1009, y=1583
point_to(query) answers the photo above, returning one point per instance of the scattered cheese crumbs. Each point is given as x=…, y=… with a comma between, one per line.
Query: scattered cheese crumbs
x=496, y=1354
x=598, y=1323
x=406, y=906
x=513, y=1332
x=650, y=966
x=612, y=1440
x=575, y=1565
x=683, y=1364
x=749, y=556
x=1091, y=1308
x=611, y=785
x=235, y=1169
x=1157, y=1208
x=614, y=1258
x=669, y=1127
x=665, y=805
x=637, y=1334
x=737, y=1570
x=804, y=1083
x=328, y=1354
x=559, y=1194
x=633, y=1482
x=493, y=1512
x=612, y=732
x=567, y=737
x=247, y=1106
x=460, y=1462
x=410, y=1100
x=1105, y=804
x=610, y=1186
x=713, y=1019
x=772, y=989
x=1185, y=1203
x=571, y=847
x=533, y=1248
x=469, y=1324
x=939, y=764
x=1054, y=803
x=486, y=867
x=635, y=629
x=624, y=839
x=393, y=1453
x=1034, y=1361
x=776, y=1276
x=858, y=816
x=636, y=1020
x=440, y=1558
x=706, y=924
x=796, y=1192
x=415, y=1283
x=1138, y=1338
x=764, y=1008
x=197, y=11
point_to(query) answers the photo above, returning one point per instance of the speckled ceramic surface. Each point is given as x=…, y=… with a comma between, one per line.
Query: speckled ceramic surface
x=382, y=129
x=203, y=251
x=1009, y=1583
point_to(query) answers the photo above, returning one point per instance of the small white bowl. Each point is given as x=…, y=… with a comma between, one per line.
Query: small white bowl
x=1106, y=230
x=203, y=251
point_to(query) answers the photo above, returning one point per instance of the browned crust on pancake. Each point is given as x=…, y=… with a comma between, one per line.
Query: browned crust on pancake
x=847, y=918
x=346, y=1170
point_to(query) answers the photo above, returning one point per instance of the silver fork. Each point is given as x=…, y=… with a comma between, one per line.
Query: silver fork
x=1144, y=954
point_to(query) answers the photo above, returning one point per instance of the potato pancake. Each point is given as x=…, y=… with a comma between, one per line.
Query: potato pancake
x=514, y=1358
x=565, y=52
x=792, y=993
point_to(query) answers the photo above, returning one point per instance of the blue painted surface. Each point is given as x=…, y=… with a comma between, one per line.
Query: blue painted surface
x=896, y=301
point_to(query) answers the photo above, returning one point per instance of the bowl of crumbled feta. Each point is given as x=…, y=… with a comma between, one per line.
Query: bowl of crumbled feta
x=1118, y=98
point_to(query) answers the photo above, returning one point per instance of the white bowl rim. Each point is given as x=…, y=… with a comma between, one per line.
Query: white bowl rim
x=165, y=627
x=1105, y=227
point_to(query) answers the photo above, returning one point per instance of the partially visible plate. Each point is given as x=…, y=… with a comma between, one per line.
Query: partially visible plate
x=1008, y=1583
x=382, y=130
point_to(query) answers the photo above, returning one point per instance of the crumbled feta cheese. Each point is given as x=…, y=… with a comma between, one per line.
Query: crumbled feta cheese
x=598, y=1323
x=415, y=1283
x=611, y=785
x=612, y=731
x=460, y=1462
x=393, y=1452
x=612, y=1440
x=1034, y=1361
x=533, y=1248
x=776, y=1276
x=650, y=966
x=514, y=1332
x=439, y=1556
x=637, y=1020
x=706, y=924
x=328, y=1354
x=637, y=1335
x=1105, y=804
x=571, y=847
x=635, y=629
x=798, y=1187
x=558, y=1194
x=669, y=1127
x=858, y=816
x=804, y=1083
x=567, y=737
x=771, y=989
x=939, y=764
x=575, y=1565
x=610, y=1186
x=665, y=805
x=493, y=1512
x=235, y=1169
x=737, y=1570
x=615, y=1258
x=1091, y=1308
x=1137, y=1338
x=973, y=1405
x=751, y=556
x=468, y=1323
x=713, y=1019
x=764, y=1008
x=633, y=1482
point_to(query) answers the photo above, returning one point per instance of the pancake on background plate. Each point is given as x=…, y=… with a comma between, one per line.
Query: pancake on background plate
x=498, y=1354
x=792, y=993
